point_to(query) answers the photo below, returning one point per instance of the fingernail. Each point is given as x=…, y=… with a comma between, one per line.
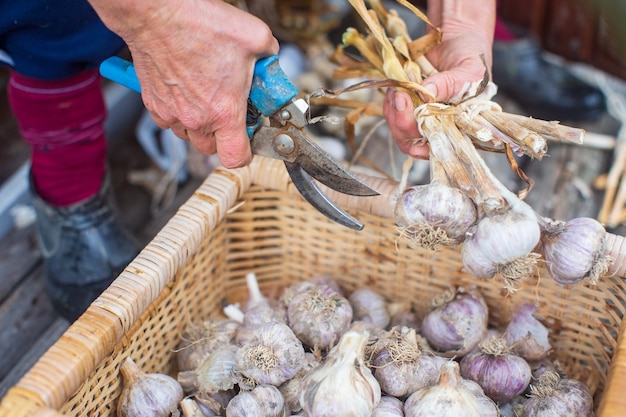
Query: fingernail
x=399, y=103
x=432, y=89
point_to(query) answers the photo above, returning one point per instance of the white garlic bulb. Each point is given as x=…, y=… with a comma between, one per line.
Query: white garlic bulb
x=319, y=316
x=503, y=244
x=368, y=305
x=147, y=394
x=198, y=340
x=262, y=401
x=272, y=356
x=343, y=385
x=217, y=373
x=451, y=396
x=389, y=407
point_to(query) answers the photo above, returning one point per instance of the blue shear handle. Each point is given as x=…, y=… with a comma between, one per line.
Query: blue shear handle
x=121, y=71
x=271, y=89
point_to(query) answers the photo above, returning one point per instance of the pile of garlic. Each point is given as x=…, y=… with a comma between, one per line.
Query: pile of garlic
x=317, y=351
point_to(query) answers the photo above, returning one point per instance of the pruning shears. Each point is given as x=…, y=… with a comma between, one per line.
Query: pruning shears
x=275, y=122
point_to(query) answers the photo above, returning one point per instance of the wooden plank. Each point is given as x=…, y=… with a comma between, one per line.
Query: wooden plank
x=24, y=317
x=32, y=355
x=19, y=254
x=562, y=182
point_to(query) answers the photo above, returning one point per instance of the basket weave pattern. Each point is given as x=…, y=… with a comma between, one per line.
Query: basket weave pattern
x=252, y=220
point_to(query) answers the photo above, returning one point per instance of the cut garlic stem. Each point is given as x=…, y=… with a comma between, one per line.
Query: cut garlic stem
x=254, y=292
x=468, y=162
x=531, y=143
x=233, y=312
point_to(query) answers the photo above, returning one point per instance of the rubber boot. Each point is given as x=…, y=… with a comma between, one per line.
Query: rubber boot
x=544, y=89
x=85, y=247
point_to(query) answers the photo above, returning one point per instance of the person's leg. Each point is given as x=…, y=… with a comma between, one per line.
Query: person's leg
x=55, y=94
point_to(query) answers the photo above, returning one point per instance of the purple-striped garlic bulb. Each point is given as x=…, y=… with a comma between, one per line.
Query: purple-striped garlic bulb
x=575, y=250
x=271, y=357
x=456, y=323
x=369, y=306
x=526, y=335
x=501, y=375
x=319, y=316
x=400, y=366
x=553, y=396
x=435, y=214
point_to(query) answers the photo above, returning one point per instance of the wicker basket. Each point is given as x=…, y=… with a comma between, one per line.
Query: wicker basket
x=253, y=220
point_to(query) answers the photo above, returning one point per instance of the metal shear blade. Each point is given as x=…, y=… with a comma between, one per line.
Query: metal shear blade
x=311, y=193
x=305, y=160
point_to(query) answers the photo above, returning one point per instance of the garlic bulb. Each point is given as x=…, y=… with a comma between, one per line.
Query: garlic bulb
x=451, y=396
x=435, y=214
x=457, y=322
x=217, y=373
x=546, y=365
x=326, y=280
x=389, y=407
x=215, y=404
x=292, y=387
x=502, y=243
x=575, y=250
x=501, y=375
x=271, y=357
x=258, y=310
x=147, y=394
x=370, y=306
x=319, y=316
x=402, y=314
x=399, y=365
x=343, y=385
x=258, y=315
x=553, y=396
x=526, y=335
x=262, y=401
x=513, y=407
x=191, y=408
x=302, y=286
x=198, y=340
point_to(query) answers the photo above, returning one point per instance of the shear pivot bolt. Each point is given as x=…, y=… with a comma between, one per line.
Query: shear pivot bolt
x=284, y=144
x=285, y=115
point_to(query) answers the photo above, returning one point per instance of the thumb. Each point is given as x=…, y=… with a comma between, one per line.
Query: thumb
x=447, y=85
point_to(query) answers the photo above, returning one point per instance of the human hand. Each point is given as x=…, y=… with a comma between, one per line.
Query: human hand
x=461, y=60
x=461, y=64
x=194, y=60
